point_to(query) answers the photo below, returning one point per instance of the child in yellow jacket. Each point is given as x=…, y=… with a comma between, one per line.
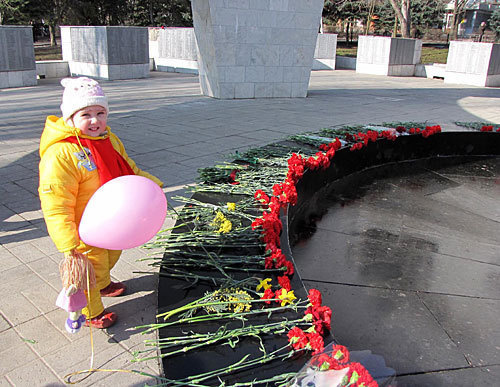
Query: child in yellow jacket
x=78, y=154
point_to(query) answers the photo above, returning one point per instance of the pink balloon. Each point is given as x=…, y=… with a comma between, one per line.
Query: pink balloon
x=125, y=212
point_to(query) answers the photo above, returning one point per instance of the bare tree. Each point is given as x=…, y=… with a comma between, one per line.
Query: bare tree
x=458, y=12
x=403, y=14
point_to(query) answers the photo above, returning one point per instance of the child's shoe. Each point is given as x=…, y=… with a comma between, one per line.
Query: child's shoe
x=104, y=320
x=73, y=326
x=114, y=289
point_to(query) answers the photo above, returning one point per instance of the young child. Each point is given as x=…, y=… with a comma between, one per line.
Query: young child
x=79, y=153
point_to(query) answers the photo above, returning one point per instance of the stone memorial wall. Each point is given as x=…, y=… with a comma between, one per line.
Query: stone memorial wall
x=256, y=48
x=174, y=49
x=17, y=57
x=106, y=52
x=325, y=52
x=473, y=63
x=383, y=55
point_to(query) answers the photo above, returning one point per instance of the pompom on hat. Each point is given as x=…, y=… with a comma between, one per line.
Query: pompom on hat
x=80, y=93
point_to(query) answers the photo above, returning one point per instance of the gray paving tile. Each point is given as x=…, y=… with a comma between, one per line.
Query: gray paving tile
x=35, y=373
x=14, y=352
x=26, y=253
x=154, y=117
x=43, y=337
x=8, y=259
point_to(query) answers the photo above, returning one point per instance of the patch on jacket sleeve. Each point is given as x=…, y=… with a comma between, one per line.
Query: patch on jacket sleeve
x=45, y=189
x=85, y=159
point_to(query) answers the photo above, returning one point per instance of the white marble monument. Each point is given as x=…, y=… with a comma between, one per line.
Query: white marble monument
x=173, y=49
x=255, y=48
x=473, y=63
x=325, y=52
x=106, y=52
x=17, y=57
x=383, y=55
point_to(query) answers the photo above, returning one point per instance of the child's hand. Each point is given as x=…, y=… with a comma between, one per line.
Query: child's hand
x=73, y=269
x=72, y=289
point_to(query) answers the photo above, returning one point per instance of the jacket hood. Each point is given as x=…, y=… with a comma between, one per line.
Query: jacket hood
x=56, y=130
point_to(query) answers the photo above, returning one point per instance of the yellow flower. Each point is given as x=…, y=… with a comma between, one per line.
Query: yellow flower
x=225, y=227
x=219, y=218
x=264, y=284
x=286, y=297
x=231, y=206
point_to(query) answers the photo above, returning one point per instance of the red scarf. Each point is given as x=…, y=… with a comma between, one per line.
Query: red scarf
x=109, y=162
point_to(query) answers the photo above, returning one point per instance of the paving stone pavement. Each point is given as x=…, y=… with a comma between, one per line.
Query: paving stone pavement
x=170, y=130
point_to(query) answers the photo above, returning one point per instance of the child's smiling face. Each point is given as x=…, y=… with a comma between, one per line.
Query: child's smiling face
x=91, y=120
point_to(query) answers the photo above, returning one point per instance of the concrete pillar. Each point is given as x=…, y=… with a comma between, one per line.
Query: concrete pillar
x=473, y=63
x=106, y=52
x=17, y=57
x=383, y=55
x=255, y=48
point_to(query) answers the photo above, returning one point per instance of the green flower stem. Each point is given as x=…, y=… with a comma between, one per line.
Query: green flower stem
x=222, y=334
x=221, y=316
x=197, y=304
x=243, y=363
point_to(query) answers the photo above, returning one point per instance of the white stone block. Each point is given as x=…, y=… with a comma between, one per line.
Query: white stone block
x=473, y=63
x=273, y=74
x=240, y=4
x=254, y=73
x=401, y=70
x=323, y=64
x=243, y=55
x=226, y=91
x=267, y=19
x=303, y=56
x=15, y=78
x=235, y=74
x=4, y=80
x=244, y=90
x=372, y=68
x=278, y=5
x=299, y=90
x=286, y=55
x=259, y=4
x=282, y=90
x=226, y=54
x=263, y=90
x=264, y=55
x=383, y=55
x=29, y=78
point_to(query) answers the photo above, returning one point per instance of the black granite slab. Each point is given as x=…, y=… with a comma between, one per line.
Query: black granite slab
x=406, y=252
x=471, y=322
x=465, y=377
x=394, y=324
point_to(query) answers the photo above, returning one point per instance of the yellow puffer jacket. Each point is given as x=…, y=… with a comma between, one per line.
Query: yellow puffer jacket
x=68, y=179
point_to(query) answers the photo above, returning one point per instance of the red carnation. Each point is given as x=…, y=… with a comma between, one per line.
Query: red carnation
x=315, y=297
x=268, y=295
x=284, y=282
x=297, y=338
x=316, y=342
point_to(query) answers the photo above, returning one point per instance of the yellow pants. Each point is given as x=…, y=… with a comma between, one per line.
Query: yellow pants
x=103, y=261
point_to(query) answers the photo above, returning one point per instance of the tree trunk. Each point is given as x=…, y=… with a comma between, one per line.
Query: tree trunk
x=348, y=24
x=403, y=14
x=52, y=33
x=458, y=8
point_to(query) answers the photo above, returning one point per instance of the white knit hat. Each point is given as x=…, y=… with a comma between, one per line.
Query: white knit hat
x=80, y=93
